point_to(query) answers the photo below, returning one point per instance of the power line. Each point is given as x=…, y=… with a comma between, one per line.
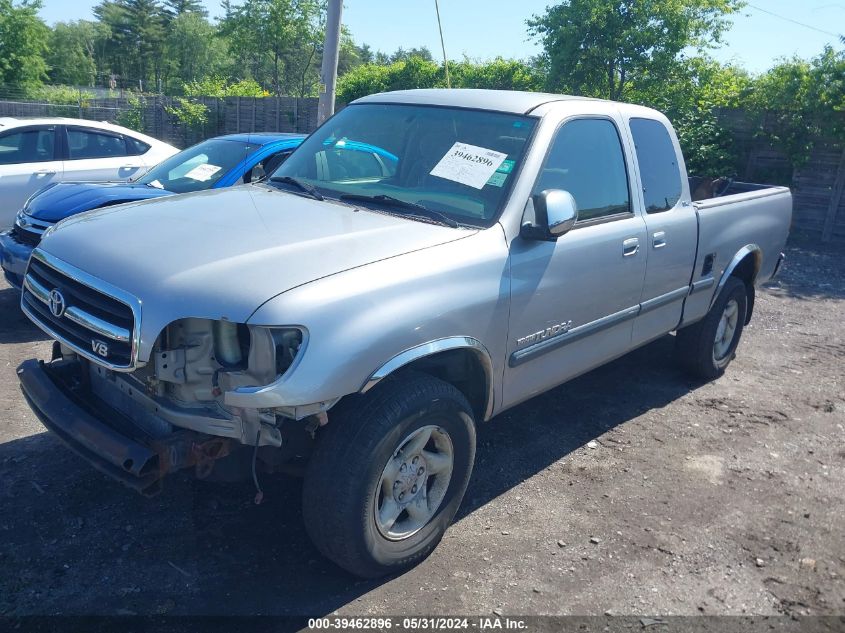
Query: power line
x=783, y=17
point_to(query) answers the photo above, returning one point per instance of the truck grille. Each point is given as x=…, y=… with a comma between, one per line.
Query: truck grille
x=96, y=325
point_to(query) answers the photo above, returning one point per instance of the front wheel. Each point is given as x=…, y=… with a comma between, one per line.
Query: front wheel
x=707, y=347
x=388, y=474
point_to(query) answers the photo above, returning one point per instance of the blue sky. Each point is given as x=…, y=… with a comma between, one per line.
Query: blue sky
x=481, y=29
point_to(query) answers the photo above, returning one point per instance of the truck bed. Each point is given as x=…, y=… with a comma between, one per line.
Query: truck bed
x=735, y=211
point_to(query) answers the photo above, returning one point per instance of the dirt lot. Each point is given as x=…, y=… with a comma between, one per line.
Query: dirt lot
x=722, y=498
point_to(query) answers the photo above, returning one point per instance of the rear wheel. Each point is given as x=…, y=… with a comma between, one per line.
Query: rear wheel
x=388, y=474
x=706, y=348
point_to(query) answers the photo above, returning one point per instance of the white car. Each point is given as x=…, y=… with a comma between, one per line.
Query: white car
x=39, y=151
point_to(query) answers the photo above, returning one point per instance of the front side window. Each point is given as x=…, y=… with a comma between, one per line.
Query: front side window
x=198, y=167
x=658, y=162
x=27, y=146
x=456, y=162
x=84, y=144
x=586, y=159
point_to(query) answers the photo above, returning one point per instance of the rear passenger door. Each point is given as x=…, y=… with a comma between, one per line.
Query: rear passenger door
x=573, y=300
x=29, y=161
x=98, y=155
x=672, y=226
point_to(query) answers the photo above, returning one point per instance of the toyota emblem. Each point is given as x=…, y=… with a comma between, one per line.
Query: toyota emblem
x=57, y=303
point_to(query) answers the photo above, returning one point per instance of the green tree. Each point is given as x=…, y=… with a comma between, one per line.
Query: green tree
x=692, y=95
x=193, y=49
x=176, y=8
x=798, y=102
x=276, y=41
x=401, y=54
x=597, y=47
x=23, y=45
x=71, y=53
x=136, y=33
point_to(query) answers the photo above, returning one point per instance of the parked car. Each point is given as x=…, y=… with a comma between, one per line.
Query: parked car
x=212, y=164
x=354, y=322
x=37, y=152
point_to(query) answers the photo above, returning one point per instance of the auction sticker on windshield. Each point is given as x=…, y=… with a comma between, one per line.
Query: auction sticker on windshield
x=202, y=172
x=468, y=164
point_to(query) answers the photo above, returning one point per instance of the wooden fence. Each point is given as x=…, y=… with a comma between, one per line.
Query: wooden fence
x=223, y=116
x=818, y=186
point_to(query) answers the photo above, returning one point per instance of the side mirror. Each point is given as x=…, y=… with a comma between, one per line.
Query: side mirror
x=554, y=214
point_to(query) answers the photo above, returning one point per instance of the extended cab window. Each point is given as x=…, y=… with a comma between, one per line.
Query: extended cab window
x=586, y=159
x=27, y=146
x=658, y=162
x=85, y=144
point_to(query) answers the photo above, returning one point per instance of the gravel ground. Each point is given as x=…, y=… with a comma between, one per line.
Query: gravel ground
x=630, y=490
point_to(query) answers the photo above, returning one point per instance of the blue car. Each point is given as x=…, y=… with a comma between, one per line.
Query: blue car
x=215, y=163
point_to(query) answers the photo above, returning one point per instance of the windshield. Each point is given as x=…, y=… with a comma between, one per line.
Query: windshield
x=198, y=167
x=453, y=161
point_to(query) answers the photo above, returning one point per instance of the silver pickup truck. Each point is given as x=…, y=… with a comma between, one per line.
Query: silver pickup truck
x=353, y=317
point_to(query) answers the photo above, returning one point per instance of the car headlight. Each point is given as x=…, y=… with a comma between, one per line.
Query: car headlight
x=20, y=219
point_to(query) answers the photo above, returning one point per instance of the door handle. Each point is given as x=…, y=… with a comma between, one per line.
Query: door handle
x=659, y=239
x=45, y=172
x=630, y=247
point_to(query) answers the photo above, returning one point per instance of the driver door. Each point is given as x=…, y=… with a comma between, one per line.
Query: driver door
x=573, y=300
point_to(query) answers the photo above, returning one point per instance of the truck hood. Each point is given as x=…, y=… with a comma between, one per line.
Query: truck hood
x=65, y=199
x=221, y=254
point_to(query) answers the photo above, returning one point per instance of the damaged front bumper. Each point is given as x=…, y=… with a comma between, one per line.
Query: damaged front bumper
x=58, y=394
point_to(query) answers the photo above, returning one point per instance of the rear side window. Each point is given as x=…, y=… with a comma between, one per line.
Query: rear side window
x=658, y=165
x=134, y=147
x=28, y=146
x=88, y=144
x=586, y=159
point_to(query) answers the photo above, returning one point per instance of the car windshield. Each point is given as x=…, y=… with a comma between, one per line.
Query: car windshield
x=410, y=159
x=198, y=167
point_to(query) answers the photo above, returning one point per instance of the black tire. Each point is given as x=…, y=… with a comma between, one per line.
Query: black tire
x=343, y=474
x=695, y=343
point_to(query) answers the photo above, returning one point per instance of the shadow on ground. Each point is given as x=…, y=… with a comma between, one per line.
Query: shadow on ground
x=72, y=541
x=811, y=274
x=14, y=326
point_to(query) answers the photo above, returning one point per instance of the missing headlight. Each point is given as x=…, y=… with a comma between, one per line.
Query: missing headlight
x=287, y=342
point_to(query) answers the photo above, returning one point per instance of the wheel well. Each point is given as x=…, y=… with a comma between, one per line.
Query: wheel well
x=746, y=271
x=462, y=368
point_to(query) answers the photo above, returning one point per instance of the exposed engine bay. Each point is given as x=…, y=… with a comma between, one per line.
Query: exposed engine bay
x=182, y=388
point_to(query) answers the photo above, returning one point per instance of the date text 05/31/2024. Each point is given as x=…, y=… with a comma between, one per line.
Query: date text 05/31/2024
x=479, y=623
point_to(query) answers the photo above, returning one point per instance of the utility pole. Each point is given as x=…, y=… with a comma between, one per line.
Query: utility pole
x=442, y=44
x=331, y=51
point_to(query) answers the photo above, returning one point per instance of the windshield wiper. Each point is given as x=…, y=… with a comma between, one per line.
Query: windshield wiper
x=306, y=188
x=418, y=210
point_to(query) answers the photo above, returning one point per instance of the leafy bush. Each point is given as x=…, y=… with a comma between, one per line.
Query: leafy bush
x=798, y=101
x=190, y=114
x=133, y=115
x=417, y=72
x=219, y=87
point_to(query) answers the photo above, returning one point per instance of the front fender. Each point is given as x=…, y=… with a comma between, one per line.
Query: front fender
x=364, y=323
